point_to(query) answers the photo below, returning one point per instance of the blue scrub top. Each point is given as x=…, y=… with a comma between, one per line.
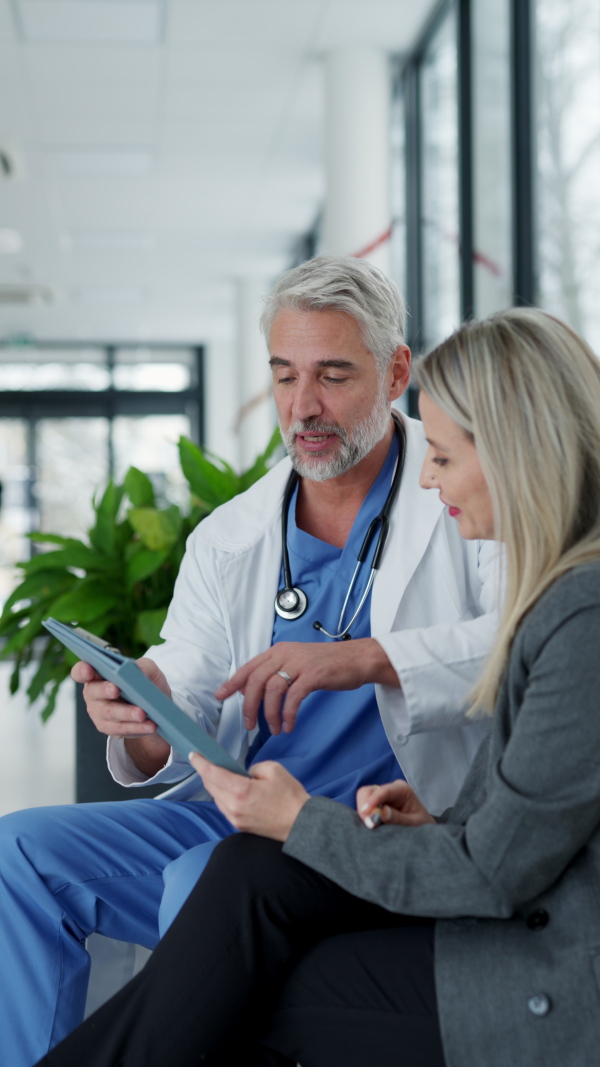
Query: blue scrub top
x=338, y=742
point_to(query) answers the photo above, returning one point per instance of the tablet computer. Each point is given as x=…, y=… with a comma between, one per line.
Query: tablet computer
x=181, y=732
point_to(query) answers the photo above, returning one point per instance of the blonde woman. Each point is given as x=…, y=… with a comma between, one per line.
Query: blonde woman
x=469, y=939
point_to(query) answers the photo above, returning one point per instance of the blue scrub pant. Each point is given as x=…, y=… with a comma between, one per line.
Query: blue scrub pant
x=68, y=871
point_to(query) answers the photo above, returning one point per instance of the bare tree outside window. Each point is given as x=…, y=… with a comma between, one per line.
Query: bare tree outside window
x=568, y=154
x=439, y=222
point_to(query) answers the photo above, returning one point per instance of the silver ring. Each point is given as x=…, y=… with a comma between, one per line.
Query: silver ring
x=286, y=676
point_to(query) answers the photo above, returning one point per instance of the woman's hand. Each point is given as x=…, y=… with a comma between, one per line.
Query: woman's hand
x=266, y=804
x=395, y=801
x=341, y=665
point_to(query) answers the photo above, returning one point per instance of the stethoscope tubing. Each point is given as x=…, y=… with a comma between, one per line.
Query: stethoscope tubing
x=381, y=521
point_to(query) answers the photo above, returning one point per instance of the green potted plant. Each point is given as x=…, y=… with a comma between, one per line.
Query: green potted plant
x=117, y=583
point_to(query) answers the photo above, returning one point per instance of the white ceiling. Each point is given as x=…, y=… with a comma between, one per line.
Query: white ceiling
x=163, y=149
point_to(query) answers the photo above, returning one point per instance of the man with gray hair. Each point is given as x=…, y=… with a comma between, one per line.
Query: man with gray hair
x=337, y=541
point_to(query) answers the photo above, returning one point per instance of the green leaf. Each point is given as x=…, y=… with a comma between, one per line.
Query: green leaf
x=139, y=489
x=144, y=563
x=51, y=667
x=123, y=535
x=78, y=555
x=15, y=677
x=220, y=463
x=197, y=513
x=208, y=482
x=10, y=623
x=261, y=465
x=25, y=634
x=89, y=599
x=142, y=552
x=158, y=530
x=102, y=535
x=51, y=701
x=52, y=539
x=42, y=585
x=148, y=626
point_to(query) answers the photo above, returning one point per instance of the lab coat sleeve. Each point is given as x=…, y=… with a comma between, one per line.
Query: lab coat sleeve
x=438, y=665
x=195, y=658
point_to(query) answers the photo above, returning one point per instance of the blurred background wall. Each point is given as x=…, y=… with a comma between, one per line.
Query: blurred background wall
x=162, y=161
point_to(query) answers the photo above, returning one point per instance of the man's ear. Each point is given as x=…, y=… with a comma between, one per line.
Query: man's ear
x=399, y=369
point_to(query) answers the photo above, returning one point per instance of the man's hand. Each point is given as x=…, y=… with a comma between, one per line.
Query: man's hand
x=341, y=665
x=113, y=716
x=395, y=801
x=267, y=804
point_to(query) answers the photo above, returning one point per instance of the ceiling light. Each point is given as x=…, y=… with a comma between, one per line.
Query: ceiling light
x=25, y=294
x=11, y=242
x=92, y=21
x=90, y=161
x=113, y=294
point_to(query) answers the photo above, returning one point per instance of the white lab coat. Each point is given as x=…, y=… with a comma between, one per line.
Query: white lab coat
x=432, y=609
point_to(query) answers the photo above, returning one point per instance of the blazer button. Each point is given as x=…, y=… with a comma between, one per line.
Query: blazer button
x=539, y=1004
x=538, y=919
x=401, y=739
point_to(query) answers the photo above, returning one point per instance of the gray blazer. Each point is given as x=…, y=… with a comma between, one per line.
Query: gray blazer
x=512, y=872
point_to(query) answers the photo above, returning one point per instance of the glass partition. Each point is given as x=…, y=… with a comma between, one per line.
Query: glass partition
x=150, y=443
x=398, y=190
x=440, y=206
x=72, y=416
x=71, y=468
x=492, y=216
x=16, y=503
x=568, y=153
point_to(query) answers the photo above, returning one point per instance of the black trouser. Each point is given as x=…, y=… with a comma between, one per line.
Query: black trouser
x=271, y=963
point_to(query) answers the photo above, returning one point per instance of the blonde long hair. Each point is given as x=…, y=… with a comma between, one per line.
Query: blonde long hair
x=526, y=388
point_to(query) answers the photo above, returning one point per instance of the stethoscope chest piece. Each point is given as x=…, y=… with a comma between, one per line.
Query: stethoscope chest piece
x=291, y=603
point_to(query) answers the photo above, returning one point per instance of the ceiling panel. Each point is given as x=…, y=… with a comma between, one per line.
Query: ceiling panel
x=212, y=139
x=89, y=162
x=112, y=63
x=230, y=64
x=14, y=110
x=95, y=99
x=259, y=23
x=194, y=161
x=258, y=103
x=100, y=21
x=390, y=24
x=10, y=63
x=8, y=30
x=131, y=205
x=110, y=130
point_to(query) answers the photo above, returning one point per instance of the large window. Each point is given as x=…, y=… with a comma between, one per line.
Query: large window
x=398, y=188
x=501, y=109
x=71, y=417
x=492, y=156
x=456, y=101
x=438, y=94
x=568, y=153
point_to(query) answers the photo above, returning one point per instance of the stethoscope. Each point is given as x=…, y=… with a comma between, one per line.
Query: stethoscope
x=291, y=602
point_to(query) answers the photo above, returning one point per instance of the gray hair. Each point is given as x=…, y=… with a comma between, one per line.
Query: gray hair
x=343, y=283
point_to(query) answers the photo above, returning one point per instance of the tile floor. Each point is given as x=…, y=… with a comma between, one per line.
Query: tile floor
x=37, y=759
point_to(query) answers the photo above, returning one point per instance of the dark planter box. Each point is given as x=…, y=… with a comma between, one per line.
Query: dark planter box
x=92, y=778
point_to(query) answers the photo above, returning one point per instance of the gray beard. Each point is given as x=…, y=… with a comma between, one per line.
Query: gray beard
x=355, y=443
